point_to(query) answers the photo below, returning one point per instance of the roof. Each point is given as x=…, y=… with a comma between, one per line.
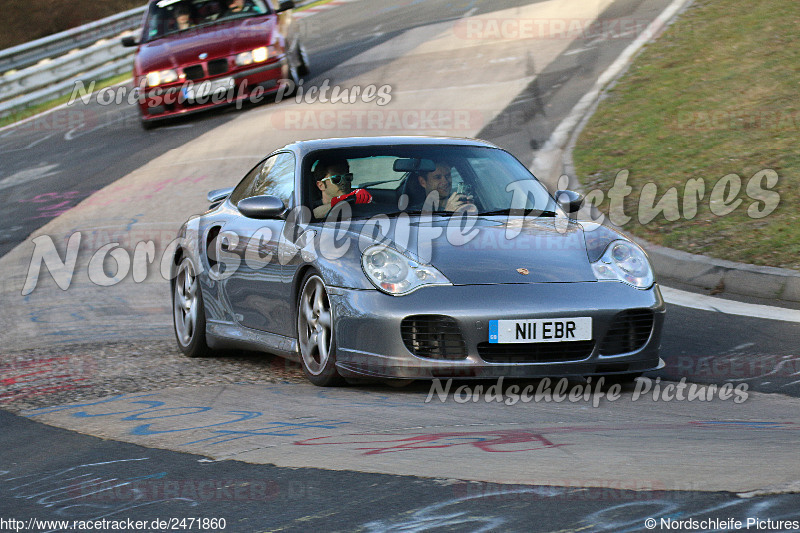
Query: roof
x=305, y=147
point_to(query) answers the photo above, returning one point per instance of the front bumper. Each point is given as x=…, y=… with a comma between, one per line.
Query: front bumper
x=370, y=343
x=168, y=102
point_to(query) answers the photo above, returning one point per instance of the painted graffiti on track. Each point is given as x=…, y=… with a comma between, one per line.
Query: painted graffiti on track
x=146, y=415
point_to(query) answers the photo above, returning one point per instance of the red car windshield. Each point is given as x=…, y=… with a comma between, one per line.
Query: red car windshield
x=170, y=16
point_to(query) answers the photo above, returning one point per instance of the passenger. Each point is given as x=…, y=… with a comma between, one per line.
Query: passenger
x=440, y=183
x=334, y=180
x=240, y=6
x=183, y=17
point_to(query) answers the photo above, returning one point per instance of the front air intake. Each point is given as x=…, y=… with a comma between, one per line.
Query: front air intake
x=535, y=352
x=628, y=332
x=433, y=337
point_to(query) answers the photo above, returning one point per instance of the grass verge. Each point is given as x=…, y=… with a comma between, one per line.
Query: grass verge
x=312, y=4
x=702, y=118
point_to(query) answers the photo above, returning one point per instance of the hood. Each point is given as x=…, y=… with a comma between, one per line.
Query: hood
x=549, y=252
x=217, y=40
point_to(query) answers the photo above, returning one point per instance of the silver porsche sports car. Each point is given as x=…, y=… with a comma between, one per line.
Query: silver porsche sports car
x=412, y=258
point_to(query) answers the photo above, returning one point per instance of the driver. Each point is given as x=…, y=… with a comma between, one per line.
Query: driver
x=334, y=180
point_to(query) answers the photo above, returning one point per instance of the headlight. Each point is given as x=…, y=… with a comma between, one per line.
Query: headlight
x=259, y=55
x=245, y=58
x=395, y=274
x=162, y=76
x=626, y=262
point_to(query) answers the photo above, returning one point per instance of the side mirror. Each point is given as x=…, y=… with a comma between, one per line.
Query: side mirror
x=261, y=207
x=570, y=201
x=129, y=40
x=286, y=5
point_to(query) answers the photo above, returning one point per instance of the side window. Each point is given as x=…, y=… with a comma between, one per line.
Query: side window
x=261, y=6
x=246, y=185
x=274, y=176
x=458, y=181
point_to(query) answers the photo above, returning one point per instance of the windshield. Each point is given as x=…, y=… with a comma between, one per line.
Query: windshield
x=416, y=179
x=171, y=16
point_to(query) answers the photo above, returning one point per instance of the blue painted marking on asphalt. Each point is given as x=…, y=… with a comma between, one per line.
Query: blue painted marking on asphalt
x=144, y=429
x=47, y=410
x=139, y=416
x=290, y=430
x=151, y=404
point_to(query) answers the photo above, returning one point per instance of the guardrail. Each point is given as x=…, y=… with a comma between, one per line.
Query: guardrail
x=49, y=67
x=27, y=54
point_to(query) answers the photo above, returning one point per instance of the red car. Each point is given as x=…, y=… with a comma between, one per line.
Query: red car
x=198, y=54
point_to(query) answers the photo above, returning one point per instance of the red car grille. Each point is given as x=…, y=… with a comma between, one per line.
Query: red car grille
x=194, y=72
x=217, y=66
x=213, y=67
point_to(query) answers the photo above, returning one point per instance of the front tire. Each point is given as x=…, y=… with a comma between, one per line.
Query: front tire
x=188, y=312
x=303, y=69
x=315, y=333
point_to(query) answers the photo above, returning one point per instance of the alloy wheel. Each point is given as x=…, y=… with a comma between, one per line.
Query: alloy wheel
x=185, y=305
x=315, y=326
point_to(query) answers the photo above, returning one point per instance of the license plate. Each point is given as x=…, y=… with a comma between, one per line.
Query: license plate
x=208, y=88
x=540, y=330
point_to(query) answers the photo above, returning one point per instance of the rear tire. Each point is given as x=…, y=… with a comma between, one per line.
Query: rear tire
x=315, y=333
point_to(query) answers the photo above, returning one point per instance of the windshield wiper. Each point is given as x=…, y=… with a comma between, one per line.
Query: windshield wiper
x=416, y=212
x=518, y=212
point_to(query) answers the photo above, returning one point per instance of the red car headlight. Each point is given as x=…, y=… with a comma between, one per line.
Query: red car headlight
x=158, y=77
x=259, y=55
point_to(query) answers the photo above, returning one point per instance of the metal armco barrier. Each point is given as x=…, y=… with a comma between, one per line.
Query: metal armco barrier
x=27, y=54
x=47, y=68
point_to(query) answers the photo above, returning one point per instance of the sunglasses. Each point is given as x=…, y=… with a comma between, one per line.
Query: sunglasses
x=336, y=179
